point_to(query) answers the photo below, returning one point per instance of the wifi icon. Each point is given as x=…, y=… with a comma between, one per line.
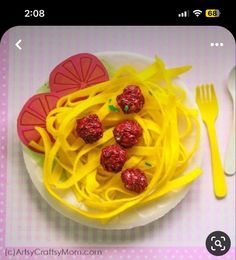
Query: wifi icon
x=197, y=12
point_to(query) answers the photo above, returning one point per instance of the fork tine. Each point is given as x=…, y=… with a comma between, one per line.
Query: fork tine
x=212, y=90
x=198, y=93
x=208, y=92
x=204, y=93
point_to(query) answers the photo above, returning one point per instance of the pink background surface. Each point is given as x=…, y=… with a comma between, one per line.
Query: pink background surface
x=30, y=221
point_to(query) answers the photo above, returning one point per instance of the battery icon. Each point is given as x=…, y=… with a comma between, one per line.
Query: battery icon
x=212, y=13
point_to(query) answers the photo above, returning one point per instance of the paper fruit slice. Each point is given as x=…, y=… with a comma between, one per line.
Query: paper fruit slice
x=34, y=113
x=76, y=72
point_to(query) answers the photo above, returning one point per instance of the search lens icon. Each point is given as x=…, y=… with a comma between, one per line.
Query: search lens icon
x=218, y=243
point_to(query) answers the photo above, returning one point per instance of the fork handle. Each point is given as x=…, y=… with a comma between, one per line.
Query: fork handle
x=219, y=181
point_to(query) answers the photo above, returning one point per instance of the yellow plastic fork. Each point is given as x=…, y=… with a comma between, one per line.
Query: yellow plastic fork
x=207, y=102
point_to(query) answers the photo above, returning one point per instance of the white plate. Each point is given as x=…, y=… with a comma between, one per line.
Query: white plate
x=134, y=217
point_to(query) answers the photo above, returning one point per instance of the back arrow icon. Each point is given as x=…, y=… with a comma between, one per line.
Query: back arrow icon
x=18, y=44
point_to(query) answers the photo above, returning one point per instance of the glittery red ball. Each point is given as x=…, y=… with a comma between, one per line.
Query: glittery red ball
x=131, y=100
x=89, y=128
x=134, y=180
x=113, y=158
x=127, y=133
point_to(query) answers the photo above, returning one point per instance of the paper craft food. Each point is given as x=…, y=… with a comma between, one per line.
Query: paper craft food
x=77, y=72
x=33, y=114
x=119, y=144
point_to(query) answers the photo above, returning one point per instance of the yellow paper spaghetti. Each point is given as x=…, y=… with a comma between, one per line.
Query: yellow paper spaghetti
x=70, y=165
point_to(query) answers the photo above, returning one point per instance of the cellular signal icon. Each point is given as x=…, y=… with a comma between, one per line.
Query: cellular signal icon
x=184, y=14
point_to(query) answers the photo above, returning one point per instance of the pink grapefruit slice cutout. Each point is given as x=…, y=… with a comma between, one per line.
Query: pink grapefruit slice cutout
x=33, y=114
x=78, y=71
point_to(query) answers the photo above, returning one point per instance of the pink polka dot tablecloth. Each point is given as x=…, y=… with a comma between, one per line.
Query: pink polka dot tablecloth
x=29, y=227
